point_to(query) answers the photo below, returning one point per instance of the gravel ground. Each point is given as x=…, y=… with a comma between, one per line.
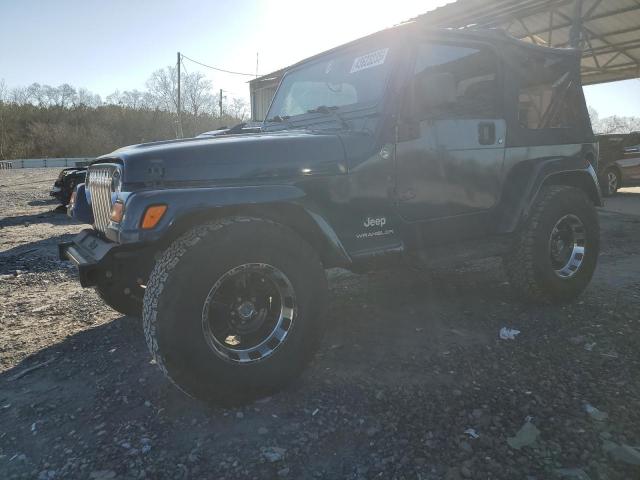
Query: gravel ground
x=411, y=371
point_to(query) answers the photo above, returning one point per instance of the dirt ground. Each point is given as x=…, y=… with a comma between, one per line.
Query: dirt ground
x=408, y=366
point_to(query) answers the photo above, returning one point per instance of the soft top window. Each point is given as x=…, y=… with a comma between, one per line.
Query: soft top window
x=472, y=72
x=549, y=95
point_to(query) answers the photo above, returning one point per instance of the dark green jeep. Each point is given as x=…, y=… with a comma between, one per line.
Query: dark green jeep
x=408, y=145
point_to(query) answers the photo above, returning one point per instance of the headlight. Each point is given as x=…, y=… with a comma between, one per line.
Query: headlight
x=116, y=180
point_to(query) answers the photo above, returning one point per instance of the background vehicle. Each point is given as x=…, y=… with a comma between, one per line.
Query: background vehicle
x=66, y=182
x=409, y=145
x=619, y=161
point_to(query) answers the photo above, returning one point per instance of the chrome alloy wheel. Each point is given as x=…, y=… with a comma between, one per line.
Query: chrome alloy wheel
x=567, y=244
x=612, y=182
x=249, y=313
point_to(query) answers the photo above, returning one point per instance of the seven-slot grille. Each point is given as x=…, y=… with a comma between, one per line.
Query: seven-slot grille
x=99, y=183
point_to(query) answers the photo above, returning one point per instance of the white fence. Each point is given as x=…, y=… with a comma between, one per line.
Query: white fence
x=45, y=162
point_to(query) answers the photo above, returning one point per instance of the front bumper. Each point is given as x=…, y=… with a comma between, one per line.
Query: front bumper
x=56, y=192
x=91, y=254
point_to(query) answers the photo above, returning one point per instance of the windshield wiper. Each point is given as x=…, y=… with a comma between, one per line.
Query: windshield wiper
x=284, y=119
x=331, y=111
x=278, y=119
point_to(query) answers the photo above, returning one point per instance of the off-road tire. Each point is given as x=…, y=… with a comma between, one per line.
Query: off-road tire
x=528, y=264
x=180, y=283
x=116, y=297
x=607, y=188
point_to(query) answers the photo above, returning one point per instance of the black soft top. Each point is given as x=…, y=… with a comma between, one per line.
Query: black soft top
x=523, y=63
x=497, y=37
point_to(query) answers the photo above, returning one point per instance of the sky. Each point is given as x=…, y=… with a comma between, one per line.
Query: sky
x=104, y=45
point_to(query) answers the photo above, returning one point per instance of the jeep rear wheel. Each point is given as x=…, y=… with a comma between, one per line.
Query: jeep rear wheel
x=555, y=254
x=232, y=310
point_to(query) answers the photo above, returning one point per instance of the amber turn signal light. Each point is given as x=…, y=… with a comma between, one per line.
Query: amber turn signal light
x=152, y=215
x=117, y=212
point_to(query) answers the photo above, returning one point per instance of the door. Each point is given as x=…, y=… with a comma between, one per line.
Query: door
x=449, y=166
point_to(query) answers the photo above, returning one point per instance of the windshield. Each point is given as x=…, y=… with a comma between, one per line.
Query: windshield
x=351, y=77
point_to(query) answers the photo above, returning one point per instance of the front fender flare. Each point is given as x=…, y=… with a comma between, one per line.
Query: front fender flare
x=183, y=203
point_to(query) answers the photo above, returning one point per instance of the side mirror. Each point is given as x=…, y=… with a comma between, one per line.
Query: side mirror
x=433, y=93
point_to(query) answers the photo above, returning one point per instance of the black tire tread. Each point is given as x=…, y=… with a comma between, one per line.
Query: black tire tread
x=170, y=259
x=519, y=264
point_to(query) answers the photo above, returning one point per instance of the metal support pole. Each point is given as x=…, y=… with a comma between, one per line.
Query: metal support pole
x=575, y=34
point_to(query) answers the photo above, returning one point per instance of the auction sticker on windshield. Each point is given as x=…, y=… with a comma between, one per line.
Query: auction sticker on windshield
x=369, y=60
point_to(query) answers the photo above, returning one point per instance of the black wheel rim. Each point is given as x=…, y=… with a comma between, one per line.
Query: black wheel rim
x=249, y=313
x=567, y=246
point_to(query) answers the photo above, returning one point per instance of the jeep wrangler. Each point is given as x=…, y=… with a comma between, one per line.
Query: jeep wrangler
x=409, y=145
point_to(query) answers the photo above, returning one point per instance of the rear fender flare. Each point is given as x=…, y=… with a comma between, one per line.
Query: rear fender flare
x=525, y=181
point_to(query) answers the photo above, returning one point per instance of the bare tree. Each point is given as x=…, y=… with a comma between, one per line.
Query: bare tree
x=613, y=124
x=36, y=94
x=66, y=95
x=51, y=96
x=115, y=98
x=150, y=102
x=68, y=122
x=238, y=108
x=87, y=99
x=3, y=99
x=4, y=91
x=19, y=95
x=133, y=98
x=616, y=124
x=196, y=93
x=163, y=85
x=593, y=116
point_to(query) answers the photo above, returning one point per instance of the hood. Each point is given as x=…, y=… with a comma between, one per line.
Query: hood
x=232, y=158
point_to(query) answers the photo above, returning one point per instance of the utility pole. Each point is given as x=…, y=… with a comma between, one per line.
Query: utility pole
x=180, y=135
x=257, y=64
x=220, y=103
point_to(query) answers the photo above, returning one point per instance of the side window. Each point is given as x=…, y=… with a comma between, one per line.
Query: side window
x=457, y=81
x=548, y=96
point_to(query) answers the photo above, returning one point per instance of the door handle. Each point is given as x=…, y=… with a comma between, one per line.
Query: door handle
x=486, y=133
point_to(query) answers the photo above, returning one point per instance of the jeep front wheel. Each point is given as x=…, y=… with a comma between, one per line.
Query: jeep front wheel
x=232, y=310
x=555, y=253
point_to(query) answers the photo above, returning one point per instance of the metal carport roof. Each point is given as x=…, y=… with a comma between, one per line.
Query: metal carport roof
x=607, y=31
